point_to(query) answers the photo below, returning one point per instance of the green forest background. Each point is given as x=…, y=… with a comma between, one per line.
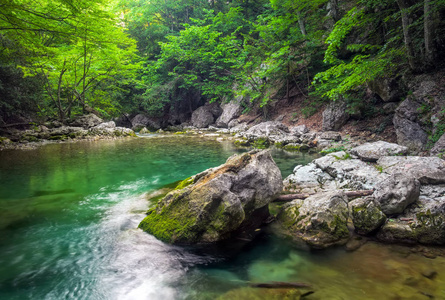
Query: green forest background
x=63, y=58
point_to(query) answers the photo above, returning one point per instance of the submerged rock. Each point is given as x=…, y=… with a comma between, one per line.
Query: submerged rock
x=320, y=221
x=217, y=202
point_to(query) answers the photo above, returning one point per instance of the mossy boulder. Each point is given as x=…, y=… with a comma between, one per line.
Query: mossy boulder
x=217, y=203
x=366, y=215
x=320, y=220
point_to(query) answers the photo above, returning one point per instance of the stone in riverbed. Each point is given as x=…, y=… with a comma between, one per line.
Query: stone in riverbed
x=218, y=202
x=320, y=220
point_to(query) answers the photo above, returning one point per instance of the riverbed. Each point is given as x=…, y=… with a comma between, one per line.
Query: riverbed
x=68, y=230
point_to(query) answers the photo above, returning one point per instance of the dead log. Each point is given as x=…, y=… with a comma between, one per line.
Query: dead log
x=15, y=124
x=280, y=285
x=350, y=194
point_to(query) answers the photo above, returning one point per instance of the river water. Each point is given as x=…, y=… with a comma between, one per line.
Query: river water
x=68, y=230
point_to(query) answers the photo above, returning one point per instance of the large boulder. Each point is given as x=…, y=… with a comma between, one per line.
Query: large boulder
x=335, y=116
x=348, y=172
x=205, y=115
x=428, y=170
x=306, y=179
x=320, y=221
x=423, y=222
x=406, y=123
x=86, y=121
x=271, y=131
x=140, y=121
x=397, y=192
x=410, y=133
x=373, y=151
x=387, y=88
x=218, y=202
x=230, y=111
x=366, y=215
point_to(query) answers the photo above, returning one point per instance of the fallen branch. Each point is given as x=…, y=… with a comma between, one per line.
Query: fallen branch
x=350, y=194
x=15, y=124
x=280, y=285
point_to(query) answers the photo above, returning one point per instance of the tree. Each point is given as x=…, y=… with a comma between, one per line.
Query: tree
x=73, y=46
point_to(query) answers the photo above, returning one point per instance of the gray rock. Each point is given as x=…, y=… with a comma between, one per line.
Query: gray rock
x=390, y=108
x=218, y=201
x=350, y=173
x=439, y=147
x=298, y=130
x=140, y=121
x=410, y=134
x=320, y=221
x=396, y=193
x=426, y=89
x=409, y=109
x=428, y=170
x=266, y=129
x=203, y=116
x=330, y=136
x=65, y=130
x=233, y=123
x=366, y=215
x=335, y=116
x=242, y=127
x=388, y=89
x=306, y=179
x=230, y=111
x=307, y=138
x=144, y=131
x=374, y=151
x=87, y=121
x=422, y=222
x=408, y=130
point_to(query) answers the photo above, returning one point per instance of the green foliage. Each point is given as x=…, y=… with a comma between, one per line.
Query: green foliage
x=78, y=51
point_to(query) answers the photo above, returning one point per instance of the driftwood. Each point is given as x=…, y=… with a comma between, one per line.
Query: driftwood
x=14, y=124
x=280, y=285
x=350, y=194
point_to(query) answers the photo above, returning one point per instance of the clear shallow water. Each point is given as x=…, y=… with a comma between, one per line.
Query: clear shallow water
x=68, y=219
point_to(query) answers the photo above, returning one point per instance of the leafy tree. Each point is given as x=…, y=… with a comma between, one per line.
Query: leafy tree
x=73, y=46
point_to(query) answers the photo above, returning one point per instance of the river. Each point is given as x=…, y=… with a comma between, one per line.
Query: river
x=68, y=230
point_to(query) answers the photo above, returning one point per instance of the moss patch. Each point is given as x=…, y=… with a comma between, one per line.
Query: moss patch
x=184, y=183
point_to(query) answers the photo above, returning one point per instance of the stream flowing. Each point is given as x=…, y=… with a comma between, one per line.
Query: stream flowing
x=68, y=230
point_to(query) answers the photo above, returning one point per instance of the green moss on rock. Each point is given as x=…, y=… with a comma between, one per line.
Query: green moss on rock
x=186, y=182
x=261, y=143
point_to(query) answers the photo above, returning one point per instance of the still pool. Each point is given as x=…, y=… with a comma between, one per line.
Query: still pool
x=68, y=219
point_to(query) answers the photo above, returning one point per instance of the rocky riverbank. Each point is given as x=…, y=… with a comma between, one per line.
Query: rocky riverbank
x=87, y=127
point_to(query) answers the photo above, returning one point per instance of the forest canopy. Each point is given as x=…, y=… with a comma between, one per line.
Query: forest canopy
x=62, y=58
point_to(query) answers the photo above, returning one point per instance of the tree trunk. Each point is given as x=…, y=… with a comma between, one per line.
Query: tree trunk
x=334, y=10
x=350, y=194
x=429, y=33
x=403, y=6
x=301, y=24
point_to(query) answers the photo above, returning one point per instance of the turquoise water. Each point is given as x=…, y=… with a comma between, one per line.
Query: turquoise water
x=68, y=219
